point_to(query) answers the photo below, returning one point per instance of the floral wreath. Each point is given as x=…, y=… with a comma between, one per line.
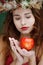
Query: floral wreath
x=13, y=4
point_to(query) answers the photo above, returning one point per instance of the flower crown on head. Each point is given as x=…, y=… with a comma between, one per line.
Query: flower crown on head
x=13, y=4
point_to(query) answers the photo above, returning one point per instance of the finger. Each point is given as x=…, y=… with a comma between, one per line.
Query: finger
x=12, y=45
x=15, y=50
x=11, y=42
x=17, y=46
x=15, y=41
x=24, y=50
x=31, y=53
x=19, y=57
x=28, y=53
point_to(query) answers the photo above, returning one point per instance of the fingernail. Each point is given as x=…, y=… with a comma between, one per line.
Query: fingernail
x=9, y=38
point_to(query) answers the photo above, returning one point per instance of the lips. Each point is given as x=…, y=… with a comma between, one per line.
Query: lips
x=24, y=28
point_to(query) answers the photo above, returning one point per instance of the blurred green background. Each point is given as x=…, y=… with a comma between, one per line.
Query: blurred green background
x=2, y=19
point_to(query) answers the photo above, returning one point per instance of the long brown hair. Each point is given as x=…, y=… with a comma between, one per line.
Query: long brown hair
x=10, y=30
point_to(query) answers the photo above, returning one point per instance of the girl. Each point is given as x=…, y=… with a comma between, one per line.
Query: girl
x=21, y=21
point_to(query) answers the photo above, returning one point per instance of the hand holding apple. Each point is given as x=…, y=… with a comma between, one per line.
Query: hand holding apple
x=27, y=43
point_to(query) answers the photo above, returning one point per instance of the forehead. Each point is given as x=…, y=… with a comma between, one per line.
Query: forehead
x=21, y=10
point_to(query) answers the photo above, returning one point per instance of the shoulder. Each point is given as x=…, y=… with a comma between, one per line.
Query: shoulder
x=3, y=50
x=3, y=45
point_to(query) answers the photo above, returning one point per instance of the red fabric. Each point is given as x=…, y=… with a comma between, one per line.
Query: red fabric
x=3, y=1
x=9, y=60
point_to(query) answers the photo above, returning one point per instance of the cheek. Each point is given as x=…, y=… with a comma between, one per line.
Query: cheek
x=14, y=21
x=31, y=21
x=17, y=25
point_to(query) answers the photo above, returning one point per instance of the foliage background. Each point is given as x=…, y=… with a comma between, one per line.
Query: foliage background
x=2, y=19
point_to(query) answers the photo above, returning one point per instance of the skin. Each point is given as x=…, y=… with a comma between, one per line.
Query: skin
x=26, y=55
x=23, y=18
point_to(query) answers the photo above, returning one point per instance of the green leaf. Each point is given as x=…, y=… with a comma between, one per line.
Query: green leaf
x=28, y=0
x=18, y=1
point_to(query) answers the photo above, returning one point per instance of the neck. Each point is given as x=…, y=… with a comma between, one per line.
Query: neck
x=25, y=35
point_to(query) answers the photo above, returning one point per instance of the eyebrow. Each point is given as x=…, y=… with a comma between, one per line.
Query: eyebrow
x=19, y=15
x=15, y=15
x=27, y=13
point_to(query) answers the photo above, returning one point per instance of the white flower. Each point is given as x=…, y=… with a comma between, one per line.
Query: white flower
x=14, y=4
x=32, y=2
x=8, y=6
x=37, y=6
x=24, y=4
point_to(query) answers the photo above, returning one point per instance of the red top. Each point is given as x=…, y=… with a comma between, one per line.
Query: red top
x=9, y=60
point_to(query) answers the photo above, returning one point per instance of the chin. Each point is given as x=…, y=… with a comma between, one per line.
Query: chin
x=26, y=32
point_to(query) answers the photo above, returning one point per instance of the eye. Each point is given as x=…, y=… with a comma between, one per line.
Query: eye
x=28, y=16
x=17, y=18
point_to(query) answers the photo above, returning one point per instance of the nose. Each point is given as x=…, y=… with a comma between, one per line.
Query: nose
x=23, y=21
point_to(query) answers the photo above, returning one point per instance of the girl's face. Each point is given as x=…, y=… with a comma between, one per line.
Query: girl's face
x=23, y=20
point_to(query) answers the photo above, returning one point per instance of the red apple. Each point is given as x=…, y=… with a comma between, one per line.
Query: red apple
x=27, y=43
